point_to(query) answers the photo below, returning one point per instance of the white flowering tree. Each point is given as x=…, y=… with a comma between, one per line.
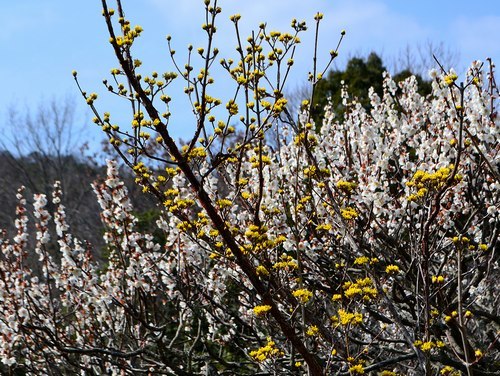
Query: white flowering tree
x=366, y=245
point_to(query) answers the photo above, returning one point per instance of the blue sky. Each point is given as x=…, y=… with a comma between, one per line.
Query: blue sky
x=43, y=41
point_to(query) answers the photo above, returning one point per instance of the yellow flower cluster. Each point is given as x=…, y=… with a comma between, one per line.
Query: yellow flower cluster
x=232, y=107
x=483, y=247
x=279, y=106
x=388, y=373
x=174, y=203
x=224, y=203
x=266, y=104
x=312, y=330
x=259, y=238
x=451, y=316
x=303, y=295
x=428, y=345
x=449, y=79
x=142, y=170
x=302, y=137
x=91, y=98
x=357, y=369
x=197, y=152
x=349, y=213
x=449, y=371
x=424, y=181
x=416, y=196
x=210, y=102
x=346, y=186
x=184, y=226
x=310, y=171
x=235, y=17
x=460, y=240
x=437, y=279
x=268, y=351
x=299, y=139
x=287, y=262
x=246, y=195
x=256, y=233
x=172, y=171
x=255, y=161
x=324, y=227
x=284, y=38
x=261, y=310
x=139, y=120
x=347, y=318
x=261, y=270
x=362, y=287
x=178, y=204
x=362, y=260
x=392, y=269
x=129, y=34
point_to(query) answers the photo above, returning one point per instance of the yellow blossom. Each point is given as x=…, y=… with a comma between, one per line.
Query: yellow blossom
x=483, y=247
x=449, y=371
x=437, y=279
x=336, y=297
x=363, y=287
x=349, y=213
x=312, y=330
x=324, y=227
x=349, y=318
x=303, y=295
x=287, y=262
x=261, y=270
x=357, y=369
x=427, y=346
x=392, y=269
x=224, y=203
x=268, y=351
x=261, y=310
x=449, y=79
x=346, y=186
x=361, y=260
x=246, y=195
